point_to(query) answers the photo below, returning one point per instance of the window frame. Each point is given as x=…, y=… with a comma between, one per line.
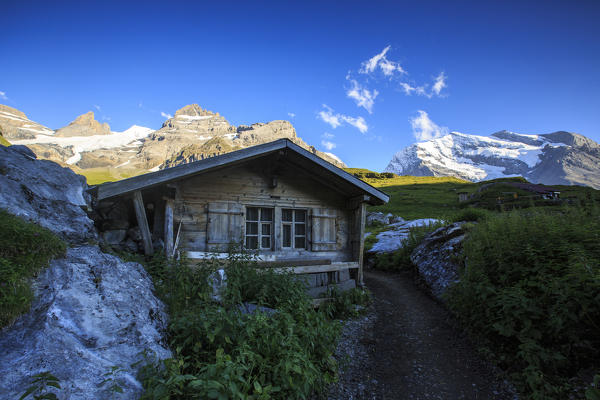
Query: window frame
x=292, y=224
x=260, y=224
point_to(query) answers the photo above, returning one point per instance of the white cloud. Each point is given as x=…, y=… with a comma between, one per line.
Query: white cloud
x=359, y=123
x=97, y=107
x=140, y=105
x=329, y=117
x=380, y=60
x=362, y=96
x=327, y=142
x=328, y=145
x=425, y=129
x=291, y=115
x=440, y=83
x=3, y=96
x=335, y=120
x=424, y=90
x=167, y=116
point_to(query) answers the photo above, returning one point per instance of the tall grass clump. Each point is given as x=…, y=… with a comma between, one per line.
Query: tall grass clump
x=221, y=352
x=531, y=290
x=25, y=248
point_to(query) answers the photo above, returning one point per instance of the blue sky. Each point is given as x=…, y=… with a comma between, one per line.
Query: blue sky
x=360, y=76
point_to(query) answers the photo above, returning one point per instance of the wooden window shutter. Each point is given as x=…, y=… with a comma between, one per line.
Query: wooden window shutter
x=224, y=225
x=323, y=230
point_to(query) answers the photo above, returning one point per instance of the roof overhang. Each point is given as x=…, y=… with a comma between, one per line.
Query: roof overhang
x=307, y=160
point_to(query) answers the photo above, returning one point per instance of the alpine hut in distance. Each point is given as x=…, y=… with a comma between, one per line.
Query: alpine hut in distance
x=292, y=207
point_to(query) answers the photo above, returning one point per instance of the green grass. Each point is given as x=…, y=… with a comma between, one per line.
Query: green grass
x=3, y=141
x=25, y=248
x=531, y=292
x=96, y=176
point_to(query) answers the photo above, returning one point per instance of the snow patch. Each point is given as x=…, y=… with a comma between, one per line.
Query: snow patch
x=81, y=144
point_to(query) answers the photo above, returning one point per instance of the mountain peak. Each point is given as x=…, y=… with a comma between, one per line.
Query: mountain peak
x=194, y=110
x=84, y=125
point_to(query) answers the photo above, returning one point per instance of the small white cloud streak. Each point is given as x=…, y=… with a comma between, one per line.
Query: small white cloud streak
x=334, y=120
x=436, y=89
x=380, y=60
x=425, y=129
x=327, y=135
x=165, y=115
x=97, y=107
x=291, y=115
x=440, y=83
x=362, y=96
x=329, y=117
x=3, y=96
x=359, y=123
x=328, y=145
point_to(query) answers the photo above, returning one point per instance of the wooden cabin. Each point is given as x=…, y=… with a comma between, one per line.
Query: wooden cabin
x=290, y=206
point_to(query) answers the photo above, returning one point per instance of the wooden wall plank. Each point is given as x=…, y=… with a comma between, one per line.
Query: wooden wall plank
x=140, y=213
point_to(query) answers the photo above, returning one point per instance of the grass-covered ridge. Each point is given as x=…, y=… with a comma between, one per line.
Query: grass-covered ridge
x=25, y=248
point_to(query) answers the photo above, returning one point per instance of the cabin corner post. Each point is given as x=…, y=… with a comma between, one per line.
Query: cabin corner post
x=362, y=214
x=140, y=213
x=168, y=229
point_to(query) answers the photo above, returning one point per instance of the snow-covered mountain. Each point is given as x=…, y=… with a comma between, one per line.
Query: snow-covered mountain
x=553, y=159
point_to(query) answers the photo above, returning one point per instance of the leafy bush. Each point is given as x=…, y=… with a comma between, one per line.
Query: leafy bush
x=531, y=290
x=222, y=353
x=25, y=248
x=348, y=304
x=471, y=214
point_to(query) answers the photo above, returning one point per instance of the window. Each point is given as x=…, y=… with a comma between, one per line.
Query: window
x=259, y=228
x=293, y=225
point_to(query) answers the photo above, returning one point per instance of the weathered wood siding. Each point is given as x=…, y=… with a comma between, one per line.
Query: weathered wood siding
x=212, y=207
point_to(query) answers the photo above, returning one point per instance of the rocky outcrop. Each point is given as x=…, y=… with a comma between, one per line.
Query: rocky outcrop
x=84, y=125
x=436, y=257
x=92, y=312
x=15, y=125
x=379, y=218
x=45, y=193
x=393, y=238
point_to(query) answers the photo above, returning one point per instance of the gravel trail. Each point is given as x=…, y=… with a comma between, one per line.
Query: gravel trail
x=407, y=348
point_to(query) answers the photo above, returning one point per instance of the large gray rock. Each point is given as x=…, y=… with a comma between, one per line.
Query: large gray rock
x=435, y=258
x=46, y=193
x=92, y=312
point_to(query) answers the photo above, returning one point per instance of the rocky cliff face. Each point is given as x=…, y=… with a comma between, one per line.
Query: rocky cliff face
x=15, y=125
x=559, y=158
x=92, y=310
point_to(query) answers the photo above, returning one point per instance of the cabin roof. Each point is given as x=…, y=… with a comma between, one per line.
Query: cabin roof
x=313, y=165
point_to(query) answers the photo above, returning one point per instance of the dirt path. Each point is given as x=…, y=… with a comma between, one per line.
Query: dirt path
x=415, y=353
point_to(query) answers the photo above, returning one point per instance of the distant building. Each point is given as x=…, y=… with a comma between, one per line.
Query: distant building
x=545, y=192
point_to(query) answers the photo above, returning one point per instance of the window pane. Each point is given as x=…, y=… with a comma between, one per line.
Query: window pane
x=300, y=215
x=299, y=242
x=251, y=214
x=266, y=214
x=287, y=236
x=251, y=228
x=299, y=229
x=266, y=242
x=266, y=229
x=286, y=215
x=251, y=242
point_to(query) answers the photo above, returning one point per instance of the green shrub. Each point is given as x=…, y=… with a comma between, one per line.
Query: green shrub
x=471, y=214
x=531, y=290
x=348, y=304
x=25, y=248
x=220, y=352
